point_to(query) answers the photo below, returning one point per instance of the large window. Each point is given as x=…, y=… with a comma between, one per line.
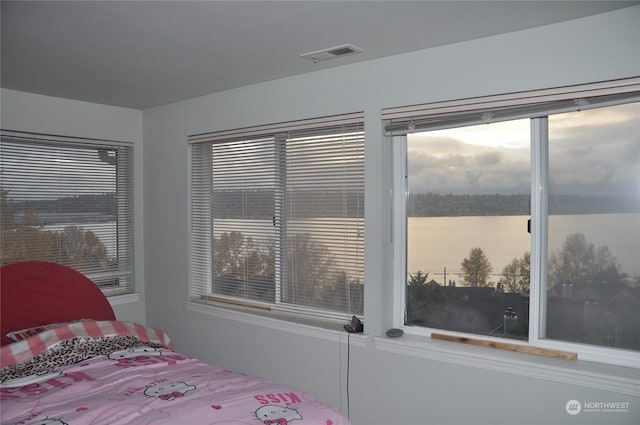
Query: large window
x=277, y=218
x=68, y=201
x=519, y=218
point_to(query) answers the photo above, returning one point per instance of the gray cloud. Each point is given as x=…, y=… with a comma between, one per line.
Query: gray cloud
x=591, y=153
x=466, y=168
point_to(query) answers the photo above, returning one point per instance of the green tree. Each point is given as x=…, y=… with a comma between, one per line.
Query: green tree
x=476, y=268
x=7, y=219
x=517, y=275
x=82, y=248
x=579, y=261
x=26, y=240
x=230, y=254
x=346, y=293
x=309, y=262
x=416, y=288
x=243, y=267
x=418, y=279
x=30, y=218
x=26, y=243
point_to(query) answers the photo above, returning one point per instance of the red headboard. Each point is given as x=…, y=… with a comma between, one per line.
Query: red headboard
x=36, y=293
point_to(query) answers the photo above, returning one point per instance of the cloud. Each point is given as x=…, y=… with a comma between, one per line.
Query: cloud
x=44, y=171
x=596, y=152
x=592, y=153
x=489, y=159
x=444, y=163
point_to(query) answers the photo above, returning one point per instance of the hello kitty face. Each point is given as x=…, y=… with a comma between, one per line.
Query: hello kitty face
x=169, y=391
x=134, y=352
x=279, y=415
x=49, y=422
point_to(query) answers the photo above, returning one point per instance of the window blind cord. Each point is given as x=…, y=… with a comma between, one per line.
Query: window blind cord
x=348, y=372
x=340, y=368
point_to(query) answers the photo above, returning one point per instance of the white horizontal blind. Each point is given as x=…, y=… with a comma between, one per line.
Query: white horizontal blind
x=69, y=201
x=277, y=217
x=484, y=110
x=232, y=209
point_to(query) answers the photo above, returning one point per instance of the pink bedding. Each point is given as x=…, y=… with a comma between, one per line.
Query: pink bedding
x=121, y=373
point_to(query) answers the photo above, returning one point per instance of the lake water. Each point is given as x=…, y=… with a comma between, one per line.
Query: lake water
x=438, y=242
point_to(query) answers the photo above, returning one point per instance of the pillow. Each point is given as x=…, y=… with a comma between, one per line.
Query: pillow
x=22, y=351
x=21, y=334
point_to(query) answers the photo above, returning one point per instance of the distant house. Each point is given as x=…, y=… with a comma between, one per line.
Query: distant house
x=598, y=313
x=467, y=309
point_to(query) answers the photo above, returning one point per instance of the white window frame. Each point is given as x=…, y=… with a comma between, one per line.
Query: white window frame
x=399, y=122
x=124, y=231
x=277, y=309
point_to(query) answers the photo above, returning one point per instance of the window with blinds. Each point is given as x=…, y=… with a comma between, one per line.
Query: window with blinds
x=69, y=201
x=277, y=217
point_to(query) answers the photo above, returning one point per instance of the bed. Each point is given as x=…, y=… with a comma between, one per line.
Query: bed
x=67, y=360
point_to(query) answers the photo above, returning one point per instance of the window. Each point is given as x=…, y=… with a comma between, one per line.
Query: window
x=593, y=247
x=68, y=201
x=519, y=218
x=467, y=211
x=277, y=219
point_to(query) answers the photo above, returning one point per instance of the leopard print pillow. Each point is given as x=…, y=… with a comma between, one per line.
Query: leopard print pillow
x=70, y=352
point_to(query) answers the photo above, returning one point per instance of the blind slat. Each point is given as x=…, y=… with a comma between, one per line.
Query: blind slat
x=279, y=219
x=69, y=201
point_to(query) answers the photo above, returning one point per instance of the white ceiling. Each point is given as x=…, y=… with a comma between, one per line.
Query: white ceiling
x=141, y=54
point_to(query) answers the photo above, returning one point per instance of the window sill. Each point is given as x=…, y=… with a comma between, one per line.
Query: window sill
x=124, y=299
x=297, y=325
x=619, y=379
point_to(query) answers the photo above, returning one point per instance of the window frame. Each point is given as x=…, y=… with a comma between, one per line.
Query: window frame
x=124, y=233
x=198, y=292
x=536, y=105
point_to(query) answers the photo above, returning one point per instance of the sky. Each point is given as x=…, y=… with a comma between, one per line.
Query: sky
x=591, y=153
x=30, y=173
x=471, y=160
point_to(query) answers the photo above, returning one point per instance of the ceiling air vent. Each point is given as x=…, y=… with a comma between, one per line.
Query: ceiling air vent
x=332, y=53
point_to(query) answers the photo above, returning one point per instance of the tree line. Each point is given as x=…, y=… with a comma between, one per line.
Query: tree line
x=576, y=261
x=449, y=205
x=25, y=239
x=104, y=203
x=245, y=267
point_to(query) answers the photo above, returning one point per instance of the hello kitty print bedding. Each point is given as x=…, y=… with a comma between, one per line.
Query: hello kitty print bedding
x=122, y=373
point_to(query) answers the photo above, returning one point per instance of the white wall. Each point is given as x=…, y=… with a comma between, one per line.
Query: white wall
x=386, y=386
x=63, y=117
